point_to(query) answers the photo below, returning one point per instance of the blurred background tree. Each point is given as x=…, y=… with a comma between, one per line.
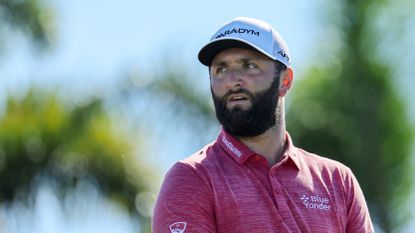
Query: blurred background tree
x=45, y=139
x=33, y=18
x=348, y=107
x=181, y=101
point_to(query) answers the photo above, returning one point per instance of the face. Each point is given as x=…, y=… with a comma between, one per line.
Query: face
x=244, y=85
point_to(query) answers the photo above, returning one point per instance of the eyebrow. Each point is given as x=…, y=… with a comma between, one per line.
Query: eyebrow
x=242, y=60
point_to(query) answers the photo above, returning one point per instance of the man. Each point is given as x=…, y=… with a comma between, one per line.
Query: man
x=252, y=178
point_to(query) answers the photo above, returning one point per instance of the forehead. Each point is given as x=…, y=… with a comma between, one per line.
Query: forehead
x=238, y=55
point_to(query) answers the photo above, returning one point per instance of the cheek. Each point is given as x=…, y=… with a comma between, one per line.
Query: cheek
x=265, y=82
x=217, y=87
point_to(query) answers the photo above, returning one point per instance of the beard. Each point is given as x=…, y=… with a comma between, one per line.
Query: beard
x=261, y=116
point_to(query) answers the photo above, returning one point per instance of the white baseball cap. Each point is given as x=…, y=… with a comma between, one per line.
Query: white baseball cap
x=244, y=32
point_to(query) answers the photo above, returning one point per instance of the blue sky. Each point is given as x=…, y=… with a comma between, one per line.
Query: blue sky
x=98, y=39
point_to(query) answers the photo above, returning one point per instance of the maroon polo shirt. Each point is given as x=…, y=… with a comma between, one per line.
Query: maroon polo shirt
x=228, y=188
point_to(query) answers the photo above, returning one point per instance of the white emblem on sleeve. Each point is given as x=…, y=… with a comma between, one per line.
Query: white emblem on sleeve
x=178, y=227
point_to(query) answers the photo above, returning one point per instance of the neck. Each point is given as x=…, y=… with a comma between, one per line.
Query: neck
x=271, y=143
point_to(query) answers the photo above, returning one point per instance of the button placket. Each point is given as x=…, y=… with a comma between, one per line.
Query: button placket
x=276, y=186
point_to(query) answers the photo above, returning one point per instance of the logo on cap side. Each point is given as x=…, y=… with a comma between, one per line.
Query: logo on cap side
x=239, y=31
x=284, y=55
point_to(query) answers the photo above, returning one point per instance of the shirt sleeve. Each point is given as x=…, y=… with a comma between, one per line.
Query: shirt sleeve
x=358, y=214
x=184, y=203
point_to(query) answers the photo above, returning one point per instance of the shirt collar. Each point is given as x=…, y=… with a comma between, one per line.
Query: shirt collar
x=240, y=152
x=233, y=147
x=291, y=151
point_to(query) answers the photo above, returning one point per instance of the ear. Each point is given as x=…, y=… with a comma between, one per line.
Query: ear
x=286, y=81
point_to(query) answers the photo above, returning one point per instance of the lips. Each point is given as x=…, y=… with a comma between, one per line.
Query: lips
x=237, y=97
x=238, y=100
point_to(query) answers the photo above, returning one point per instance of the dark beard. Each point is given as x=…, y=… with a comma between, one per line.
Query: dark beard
x=252, y=122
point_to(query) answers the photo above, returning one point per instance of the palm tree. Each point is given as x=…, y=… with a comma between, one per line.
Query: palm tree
x=43, y=138
x=32, y=17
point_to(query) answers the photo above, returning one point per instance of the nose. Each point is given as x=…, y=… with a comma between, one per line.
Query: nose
x=235, y=79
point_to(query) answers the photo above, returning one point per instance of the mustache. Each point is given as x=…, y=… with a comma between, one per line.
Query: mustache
x=239, y=91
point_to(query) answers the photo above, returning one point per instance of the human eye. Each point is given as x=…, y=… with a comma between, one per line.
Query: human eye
x=218, y=70
x=247, y=65
x=251, y=68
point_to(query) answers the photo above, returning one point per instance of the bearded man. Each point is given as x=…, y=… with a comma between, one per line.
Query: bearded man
x=252, y=178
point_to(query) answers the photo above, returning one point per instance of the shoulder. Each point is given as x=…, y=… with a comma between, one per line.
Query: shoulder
x=323, y=164
x=340, y=179
x=187, y=174
x=196, y=165
x=204, y=159
x=185, y=196
x=332, y=173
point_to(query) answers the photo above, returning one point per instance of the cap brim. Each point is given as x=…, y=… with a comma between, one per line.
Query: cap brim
x=209, y=51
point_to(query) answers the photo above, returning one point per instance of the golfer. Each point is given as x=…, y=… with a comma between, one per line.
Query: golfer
x=252, y=178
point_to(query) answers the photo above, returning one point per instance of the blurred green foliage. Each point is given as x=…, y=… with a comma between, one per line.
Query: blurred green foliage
x=348, y=109
x=43, y=138
x=31, y=17
x=179, y=101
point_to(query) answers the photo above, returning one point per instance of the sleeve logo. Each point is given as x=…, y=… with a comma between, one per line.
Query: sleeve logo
x=177, y=227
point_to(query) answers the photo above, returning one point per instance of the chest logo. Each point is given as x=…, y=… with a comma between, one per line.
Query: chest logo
x=177, y=227
x=316, y=202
